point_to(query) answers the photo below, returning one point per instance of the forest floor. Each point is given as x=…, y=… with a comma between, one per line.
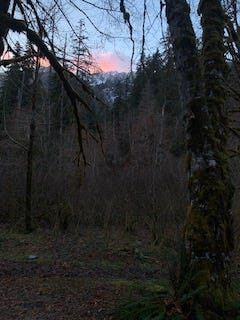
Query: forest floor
x=48, y=275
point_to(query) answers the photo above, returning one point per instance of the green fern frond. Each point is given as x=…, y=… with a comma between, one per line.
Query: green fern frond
x=145, y=308
x=198, y=312
x=191, y=295
x=176, y=317
x=160, y=316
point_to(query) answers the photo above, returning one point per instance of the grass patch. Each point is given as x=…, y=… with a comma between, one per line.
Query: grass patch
x=108, y=265
x=145, y=308
x=141, y=286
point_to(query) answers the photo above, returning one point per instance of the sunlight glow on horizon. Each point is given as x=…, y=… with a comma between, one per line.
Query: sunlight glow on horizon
x=104, y=62
x=111, y=61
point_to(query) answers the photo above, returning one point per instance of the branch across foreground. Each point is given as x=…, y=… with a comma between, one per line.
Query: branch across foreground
x=9, y=23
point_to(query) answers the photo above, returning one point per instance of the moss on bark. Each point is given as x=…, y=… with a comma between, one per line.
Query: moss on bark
x=208, y=235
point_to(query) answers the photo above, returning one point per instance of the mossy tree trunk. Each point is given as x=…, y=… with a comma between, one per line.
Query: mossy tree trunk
x=208, y=234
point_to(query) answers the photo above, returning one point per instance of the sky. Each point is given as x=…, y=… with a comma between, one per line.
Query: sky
x=115, y=51
x=112, y=61
x=106, y=62
x=108, y=37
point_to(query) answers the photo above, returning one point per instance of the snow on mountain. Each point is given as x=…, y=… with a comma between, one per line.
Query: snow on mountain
x=109, y=85
x=102, y=77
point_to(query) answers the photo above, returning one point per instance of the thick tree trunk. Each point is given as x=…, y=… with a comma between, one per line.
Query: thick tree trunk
x=208, y=236
x=4, y=6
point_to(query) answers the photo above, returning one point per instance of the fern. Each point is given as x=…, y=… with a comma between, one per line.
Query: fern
x=198, y=312
x=145, y=308
x=191, y=295
x=160, y=316
x=176, y=317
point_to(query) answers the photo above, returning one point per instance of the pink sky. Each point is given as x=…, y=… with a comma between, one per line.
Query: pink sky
x=107, y=61
x=111, y=61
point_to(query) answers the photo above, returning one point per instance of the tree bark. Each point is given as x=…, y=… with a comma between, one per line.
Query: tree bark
x=28, y=208
x=208, y=234
x=4, y=7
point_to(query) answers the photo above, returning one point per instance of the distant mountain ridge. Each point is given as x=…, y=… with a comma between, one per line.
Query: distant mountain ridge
x=107, y=85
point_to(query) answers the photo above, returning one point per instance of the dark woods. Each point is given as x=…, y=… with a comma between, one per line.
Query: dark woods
x=153, y=151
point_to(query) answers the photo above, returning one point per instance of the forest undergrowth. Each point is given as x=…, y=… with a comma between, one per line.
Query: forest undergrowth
x=51, y=275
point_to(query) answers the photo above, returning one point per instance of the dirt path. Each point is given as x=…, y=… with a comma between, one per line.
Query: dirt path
x=45, y=276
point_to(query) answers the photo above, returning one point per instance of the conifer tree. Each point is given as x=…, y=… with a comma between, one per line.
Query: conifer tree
x=12, y=82
x=81, y=53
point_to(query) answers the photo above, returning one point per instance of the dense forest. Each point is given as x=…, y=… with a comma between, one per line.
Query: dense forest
x=132, y=176
x=140, y=142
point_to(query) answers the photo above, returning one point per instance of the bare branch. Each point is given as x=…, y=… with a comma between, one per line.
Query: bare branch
x=143, y=32
x=7, y=62
x=126, y=17
x=97, y=7
x=20, y=26
x=92, y=23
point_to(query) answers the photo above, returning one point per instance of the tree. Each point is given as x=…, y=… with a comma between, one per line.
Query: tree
x=10, y=92
x=38, y=38
x=27, y=75
x=80, y=50
x=208, y=235
x=30, y=151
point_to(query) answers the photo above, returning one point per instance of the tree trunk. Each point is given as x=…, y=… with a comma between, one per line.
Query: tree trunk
x=28, y=208
x=4, y=6
x=208, y=235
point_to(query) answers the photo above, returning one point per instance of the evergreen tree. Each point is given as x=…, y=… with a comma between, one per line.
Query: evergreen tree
x=138, y=85
x=81, y=53
x=16, y=89
x=28, y=74
x=10, y=90
x=157, y=75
